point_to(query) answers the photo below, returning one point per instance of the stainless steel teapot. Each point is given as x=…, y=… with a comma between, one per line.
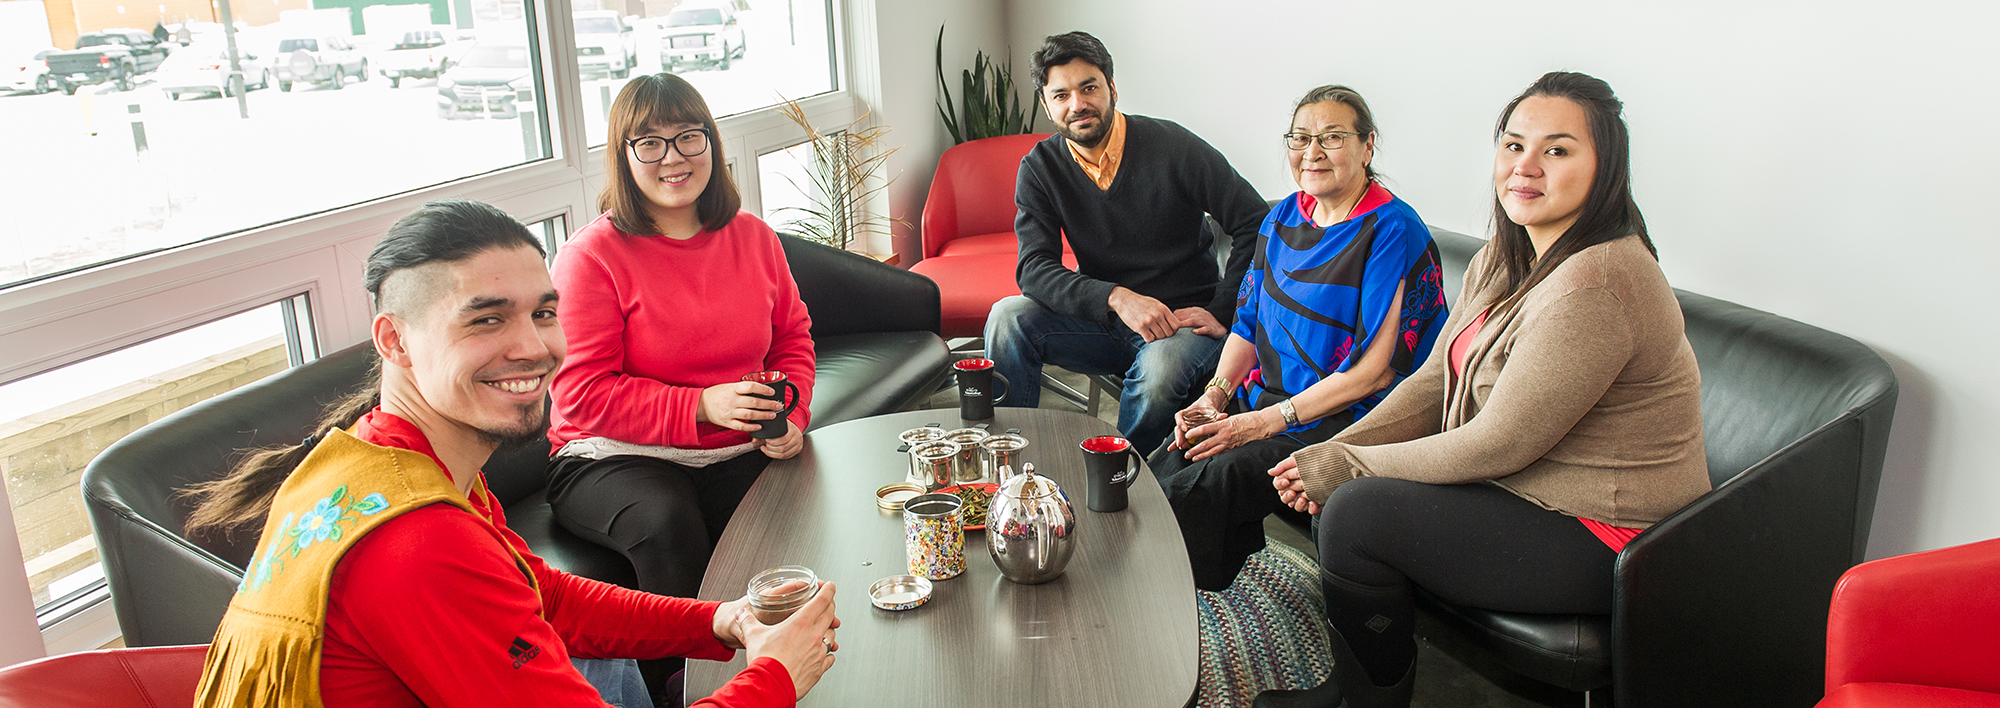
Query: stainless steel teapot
x=1030, y=527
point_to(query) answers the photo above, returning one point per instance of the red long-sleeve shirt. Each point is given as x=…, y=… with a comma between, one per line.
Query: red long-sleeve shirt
x=430, y=609
x=652, y=321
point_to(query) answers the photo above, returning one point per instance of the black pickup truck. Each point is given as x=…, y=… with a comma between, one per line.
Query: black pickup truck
x=109, y=55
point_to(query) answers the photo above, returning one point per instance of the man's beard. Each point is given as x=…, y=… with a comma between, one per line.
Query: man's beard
x=1091, y=138
x=532, y=425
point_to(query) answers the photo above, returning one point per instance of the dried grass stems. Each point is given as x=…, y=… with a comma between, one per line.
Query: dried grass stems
x=844, y=174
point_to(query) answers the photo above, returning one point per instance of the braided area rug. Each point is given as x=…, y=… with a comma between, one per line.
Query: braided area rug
x=1267, y=631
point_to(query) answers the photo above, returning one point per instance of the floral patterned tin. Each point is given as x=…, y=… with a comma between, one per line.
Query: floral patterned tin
x=934, y=536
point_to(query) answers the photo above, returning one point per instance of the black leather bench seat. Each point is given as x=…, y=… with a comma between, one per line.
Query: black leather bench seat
x=874, y=327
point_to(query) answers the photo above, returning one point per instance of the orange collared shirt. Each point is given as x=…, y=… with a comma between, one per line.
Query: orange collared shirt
x=1105, y=168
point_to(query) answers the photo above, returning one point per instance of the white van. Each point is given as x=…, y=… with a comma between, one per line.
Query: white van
x=605, y=44
x=702, y=33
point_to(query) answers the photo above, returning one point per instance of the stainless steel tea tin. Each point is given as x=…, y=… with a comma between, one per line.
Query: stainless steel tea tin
x=965, y=467
x=998, y=451
x=932, y=463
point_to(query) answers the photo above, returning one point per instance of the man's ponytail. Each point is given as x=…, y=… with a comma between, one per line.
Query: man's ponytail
x=241, y=499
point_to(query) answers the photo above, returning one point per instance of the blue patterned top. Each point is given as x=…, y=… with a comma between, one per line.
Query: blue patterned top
x=1314, y=295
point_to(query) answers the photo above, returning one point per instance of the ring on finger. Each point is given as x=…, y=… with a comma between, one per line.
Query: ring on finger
x=826, y=643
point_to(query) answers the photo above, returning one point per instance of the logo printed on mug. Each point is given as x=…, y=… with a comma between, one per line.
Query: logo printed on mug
x=975, y=380
x=1110, y=466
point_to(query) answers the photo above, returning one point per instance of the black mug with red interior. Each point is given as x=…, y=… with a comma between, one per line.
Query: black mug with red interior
x=775, y=427
x=975, y=388
x=1109, y=466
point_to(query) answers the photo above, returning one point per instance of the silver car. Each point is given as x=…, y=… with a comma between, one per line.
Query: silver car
x=204, y=69
x=328, y=59
x=487, y=83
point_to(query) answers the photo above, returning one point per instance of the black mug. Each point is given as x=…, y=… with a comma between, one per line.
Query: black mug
x=1109, y=466
x=975, y=385
x=775, y=427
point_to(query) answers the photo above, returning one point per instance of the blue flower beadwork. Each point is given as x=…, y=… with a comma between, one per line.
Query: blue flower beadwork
x=323, y=522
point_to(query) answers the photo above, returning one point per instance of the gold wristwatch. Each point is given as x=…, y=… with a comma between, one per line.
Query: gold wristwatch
x=1219, y=382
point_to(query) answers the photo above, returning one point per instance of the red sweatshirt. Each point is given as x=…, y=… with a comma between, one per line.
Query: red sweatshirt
x=652, y=321
x=429, y=609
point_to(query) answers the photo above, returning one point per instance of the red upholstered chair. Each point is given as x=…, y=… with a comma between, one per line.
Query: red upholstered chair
x=152, y=677
x=968, y=229
x=1917, y=630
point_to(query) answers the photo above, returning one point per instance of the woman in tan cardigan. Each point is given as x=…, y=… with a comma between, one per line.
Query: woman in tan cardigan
x=1564, y=418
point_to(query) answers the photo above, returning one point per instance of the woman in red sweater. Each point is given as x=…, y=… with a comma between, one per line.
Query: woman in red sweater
x=669, y=300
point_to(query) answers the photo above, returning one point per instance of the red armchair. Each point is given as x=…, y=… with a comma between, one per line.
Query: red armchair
x=1917, y=630
x=153, y=677
x=968, y=230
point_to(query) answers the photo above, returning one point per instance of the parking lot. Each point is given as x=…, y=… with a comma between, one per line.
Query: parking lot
x=208, y=171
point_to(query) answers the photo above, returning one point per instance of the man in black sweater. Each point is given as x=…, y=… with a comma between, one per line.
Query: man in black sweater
x=1129, y=193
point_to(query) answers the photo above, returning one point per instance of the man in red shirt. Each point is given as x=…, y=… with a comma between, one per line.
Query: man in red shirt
x=440, y=604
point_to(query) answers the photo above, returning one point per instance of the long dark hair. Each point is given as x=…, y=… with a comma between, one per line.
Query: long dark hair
x=662, y=98
x=445, y=231
x=1608, y=214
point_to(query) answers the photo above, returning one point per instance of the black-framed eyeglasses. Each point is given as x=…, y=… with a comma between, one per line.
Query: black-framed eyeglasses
x=1329, y=141
x=653, y=148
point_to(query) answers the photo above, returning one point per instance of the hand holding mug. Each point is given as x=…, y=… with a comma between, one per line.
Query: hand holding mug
x=1222, y=435
x=784, y=447
x=1200, y=413
x=736, y=405
x=803, y=643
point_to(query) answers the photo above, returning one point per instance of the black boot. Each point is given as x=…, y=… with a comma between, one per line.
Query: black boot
x=1348, y=687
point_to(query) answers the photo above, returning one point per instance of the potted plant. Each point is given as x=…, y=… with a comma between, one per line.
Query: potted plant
x=843, y=174
x=990, y=105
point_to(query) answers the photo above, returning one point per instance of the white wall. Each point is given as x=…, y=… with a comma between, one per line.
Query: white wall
x=20, y=640
x=1831, y=162
x=905, y=46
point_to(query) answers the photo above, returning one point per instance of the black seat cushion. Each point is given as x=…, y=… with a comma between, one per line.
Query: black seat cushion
x=1571, y=651
x=535, y=521
x=859, y=375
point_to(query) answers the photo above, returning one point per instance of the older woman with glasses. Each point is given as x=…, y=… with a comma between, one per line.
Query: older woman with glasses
x=1342, y=300
x=669, y=300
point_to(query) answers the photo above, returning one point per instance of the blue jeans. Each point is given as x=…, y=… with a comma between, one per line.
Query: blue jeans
x=1022, y=337
x=616, y=680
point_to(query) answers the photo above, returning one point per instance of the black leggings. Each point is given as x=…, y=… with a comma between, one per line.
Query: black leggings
x=664, y=517
x=1471, y=544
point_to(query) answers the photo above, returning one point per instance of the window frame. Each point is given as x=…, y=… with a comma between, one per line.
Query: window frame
x=52, y=322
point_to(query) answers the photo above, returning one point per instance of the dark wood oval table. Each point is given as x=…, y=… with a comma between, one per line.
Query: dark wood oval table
x=1117, y=629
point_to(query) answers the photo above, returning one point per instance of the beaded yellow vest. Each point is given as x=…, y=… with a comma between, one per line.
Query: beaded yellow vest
x=267, y=651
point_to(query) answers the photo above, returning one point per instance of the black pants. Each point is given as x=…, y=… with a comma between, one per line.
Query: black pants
x=664, y=517
x=1471, y=544
x=1221, y=502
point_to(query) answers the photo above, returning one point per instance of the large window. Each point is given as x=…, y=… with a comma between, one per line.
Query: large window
x=158, y=203
x=53, y=424
x=149, y=144
x=741, y=54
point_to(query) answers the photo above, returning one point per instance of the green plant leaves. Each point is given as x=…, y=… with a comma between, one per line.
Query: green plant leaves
x=991, y=105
